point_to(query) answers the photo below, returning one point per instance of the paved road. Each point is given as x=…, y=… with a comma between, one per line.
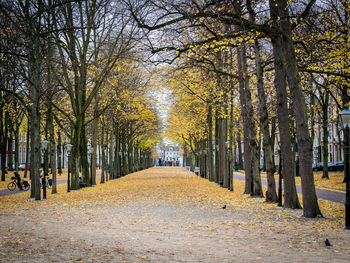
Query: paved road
x=333, y=196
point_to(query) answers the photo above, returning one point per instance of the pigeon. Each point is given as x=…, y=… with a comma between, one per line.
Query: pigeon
x=224, y=207
x=328, y=244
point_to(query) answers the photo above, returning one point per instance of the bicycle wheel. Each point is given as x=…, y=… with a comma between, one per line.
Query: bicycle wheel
x=12, y=186
x=49, y=183
x=26, y=186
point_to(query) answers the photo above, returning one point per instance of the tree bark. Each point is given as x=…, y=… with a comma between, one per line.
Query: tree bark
x=250, y=147
x=17, y=145
x=290, y=193
x=106, y=149
x=94, y=141
x=3, y=145
x=325, y=133
x=230, y=158
x=310, y=204
x=27, y=149
x=216, y=174
x=10, y=151
x=271, y=195
x=59, y=153
x=116, y=153
x=240, y=154
x=124, y=160
x=103, y=155
x=34, y=63
x=52, y=146
x=210, y=143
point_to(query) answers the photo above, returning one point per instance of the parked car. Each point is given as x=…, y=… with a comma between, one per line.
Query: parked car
x=338, y=166
x=319, y=166
x=331, y=166
x=22, y=167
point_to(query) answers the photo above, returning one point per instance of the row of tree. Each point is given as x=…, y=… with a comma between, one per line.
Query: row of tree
x=71, y=73
x=245, y=70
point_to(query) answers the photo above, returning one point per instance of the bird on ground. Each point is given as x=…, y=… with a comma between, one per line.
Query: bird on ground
x=224, y=207
x=328, y=244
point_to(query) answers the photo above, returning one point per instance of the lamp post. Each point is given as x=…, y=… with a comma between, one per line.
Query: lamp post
x=68, y=149
x=90, y=149
x=44, y=144
x=345, y=115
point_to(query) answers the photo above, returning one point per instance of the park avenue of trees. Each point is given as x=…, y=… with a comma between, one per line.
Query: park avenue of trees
x=251, y=73
x=70, y=69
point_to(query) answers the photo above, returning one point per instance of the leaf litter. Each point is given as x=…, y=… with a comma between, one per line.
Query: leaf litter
x=165, y=215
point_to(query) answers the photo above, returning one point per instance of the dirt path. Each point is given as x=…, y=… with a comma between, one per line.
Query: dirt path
x=334, y=196
x=165, y=215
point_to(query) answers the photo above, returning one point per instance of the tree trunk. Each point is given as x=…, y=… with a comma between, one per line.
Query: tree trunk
x=312, y=113
x=290, y=193
x=130, y=159
x=75, y=152
x=210, y=143
x=116, y=153
x=10, y=152
x=94, y=142
x=17, y=145
x=52, y=148
x=230, y=158
x=111, y=154
x=124, y=160
x=250, y=146
x=223, y=153
x=103, y=156
x=311, y=208
x=271, y=195
x=27, y=149
x=34, y=62
x=216, y=164
x=325, y=133
x=272, y=140
x=59, y=153
x=3, y=145
x=240, y=154
x=105, y=149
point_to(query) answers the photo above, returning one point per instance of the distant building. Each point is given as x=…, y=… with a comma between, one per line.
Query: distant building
x=170, y=155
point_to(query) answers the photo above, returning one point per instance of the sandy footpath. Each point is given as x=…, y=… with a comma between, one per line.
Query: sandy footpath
x=165, y=215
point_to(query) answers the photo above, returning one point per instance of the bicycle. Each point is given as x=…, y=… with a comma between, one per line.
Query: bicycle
x=12, y=185
x=48, y=183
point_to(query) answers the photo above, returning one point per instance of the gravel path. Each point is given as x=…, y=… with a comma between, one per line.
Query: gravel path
x=164, y=215
x=323, y=194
